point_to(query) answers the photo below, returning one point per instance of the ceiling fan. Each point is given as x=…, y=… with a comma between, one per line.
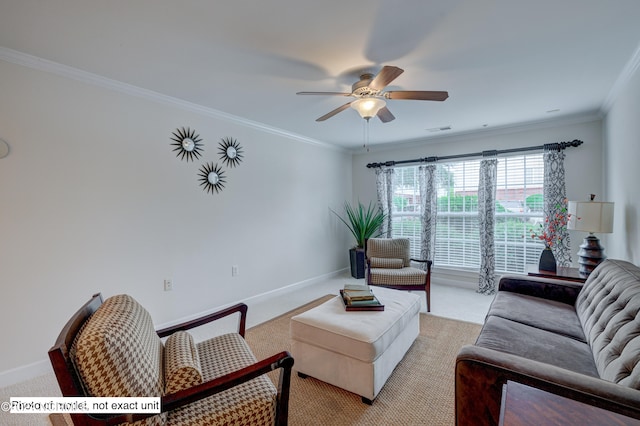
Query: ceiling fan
x=370, y=96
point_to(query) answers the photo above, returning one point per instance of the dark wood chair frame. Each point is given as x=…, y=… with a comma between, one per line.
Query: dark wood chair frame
x=71, y=385
x=426, y=287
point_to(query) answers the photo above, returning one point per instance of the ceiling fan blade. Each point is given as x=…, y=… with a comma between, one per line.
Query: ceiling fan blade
x=386, y=75
x=385, y=115
x=324, y=93
x=334, y=112
x=419, y=95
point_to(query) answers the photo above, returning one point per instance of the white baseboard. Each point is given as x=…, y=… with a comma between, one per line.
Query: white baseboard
x=39, y=368
x=25, y=372
x=258, y=298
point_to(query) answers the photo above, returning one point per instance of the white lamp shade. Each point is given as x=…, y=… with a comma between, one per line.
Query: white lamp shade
x=590, y=216
x=368, y=107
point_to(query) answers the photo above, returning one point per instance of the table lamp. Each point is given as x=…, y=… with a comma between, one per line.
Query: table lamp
x=590, y=216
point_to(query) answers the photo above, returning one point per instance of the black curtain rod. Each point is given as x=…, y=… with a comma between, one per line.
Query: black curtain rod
x=557, y=146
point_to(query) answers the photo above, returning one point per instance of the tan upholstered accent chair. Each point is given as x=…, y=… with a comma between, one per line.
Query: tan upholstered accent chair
x=389, y=265
x=110, y=349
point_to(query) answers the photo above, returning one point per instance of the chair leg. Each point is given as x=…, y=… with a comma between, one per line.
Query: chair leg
x=427, y=286
x=428, y=293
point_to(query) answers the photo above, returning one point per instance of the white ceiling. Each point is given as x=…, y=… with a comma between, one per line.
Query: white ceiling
x=503, y=62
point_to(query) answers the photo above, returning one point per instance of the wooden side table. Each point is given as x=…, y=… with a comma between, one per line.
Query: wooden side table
x=562, y=273
x=523, y=405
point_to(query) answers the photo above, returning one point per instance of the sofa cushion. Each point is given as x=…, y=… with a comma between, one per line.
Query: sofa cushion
x=404, y=276
x=608, y=308
x=386, y=262
x=249, y=403
x=181, y=363
x=549, y=315
x=397, y=248
x=118, y=354
x=512, y=337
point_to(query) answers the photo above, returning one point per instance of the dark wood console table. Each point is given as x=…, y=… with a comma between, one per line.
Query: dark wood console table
x=526, y=406
x=562, y=273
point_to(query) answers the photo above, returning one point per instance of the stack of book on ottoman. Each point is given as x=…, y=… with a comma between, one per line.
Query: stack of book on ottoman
x=359, y=297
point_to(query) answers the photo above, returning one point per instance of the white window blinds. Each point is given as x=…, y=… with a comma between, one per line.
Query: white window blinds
x=518, y=209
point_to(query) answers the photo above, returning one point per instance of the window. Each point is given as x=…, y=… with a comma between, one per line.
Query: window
x=519, y=208
x=405, y=214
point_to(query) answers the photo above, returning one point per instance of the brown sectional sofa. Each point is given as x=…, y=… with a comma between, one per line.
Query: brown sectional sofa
x=581, y=342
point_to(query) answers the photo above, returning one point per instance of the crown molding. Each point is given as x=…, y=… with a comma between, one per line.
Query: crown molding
x=623, y=79
x=45, y=65
x=481, y=133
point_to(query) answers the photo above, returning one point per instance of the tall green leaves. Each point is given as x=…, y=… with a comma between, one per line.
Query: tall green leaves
x=364, y=223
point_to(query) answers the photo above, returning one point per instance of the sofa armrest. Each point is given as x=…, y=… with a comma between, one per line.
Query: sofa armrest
x=546, y=288
x=481, y=373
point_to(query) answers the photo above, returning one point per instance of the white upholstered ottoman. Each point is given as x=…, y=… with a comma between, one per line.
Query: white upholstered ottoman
x=356, y=351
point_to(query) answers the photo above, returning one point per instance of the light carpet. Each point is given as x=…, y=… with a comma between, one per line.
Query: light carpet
x=419, y=392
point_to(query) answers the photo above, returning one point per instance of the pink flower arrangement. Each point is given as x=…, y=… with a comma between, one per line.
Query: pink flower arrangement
x=555, y=225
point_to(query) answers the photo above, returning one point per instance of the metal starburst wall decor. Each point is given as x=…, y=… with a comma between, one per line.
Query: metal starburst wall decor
x=230, y=152
x=187, y=144
x=212, y=178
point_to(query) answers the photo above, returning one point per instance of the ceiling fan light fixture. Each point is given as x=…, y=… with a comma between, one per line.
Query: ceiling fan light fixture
x=368, y=107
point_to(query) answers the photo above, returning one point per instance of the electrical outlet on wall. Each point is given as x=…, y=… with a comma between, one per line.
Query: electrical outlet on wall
x=168, y=285
x=234, y=271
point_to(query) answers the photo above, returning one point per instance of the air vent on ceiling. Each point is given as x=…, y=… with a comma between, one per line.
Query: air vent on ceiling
x=439, y=129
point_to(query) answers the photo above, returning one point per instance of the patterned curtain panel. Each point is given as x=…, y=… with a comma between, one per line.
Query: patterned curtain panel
x=429, y=208
x=555, y=200
x=487, y=224
x=384, y=186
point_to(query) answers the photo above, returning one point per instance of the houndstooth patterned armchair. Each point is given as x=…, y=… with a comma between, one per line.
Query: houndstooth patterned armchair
x=389, y=265
x=111, y=349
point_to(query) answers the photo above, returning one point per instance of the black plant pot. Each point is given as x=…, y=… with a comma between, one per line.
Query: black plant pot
x=356, y=256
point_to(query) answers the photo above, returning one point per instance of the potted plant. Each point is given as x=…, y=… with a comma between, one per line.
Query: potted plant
x=364, y=223
x=551, y=233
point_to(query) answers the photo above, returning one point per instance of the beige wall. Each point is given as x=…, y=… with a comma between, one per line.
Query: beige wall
x=622, y=170
x=92, y=199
